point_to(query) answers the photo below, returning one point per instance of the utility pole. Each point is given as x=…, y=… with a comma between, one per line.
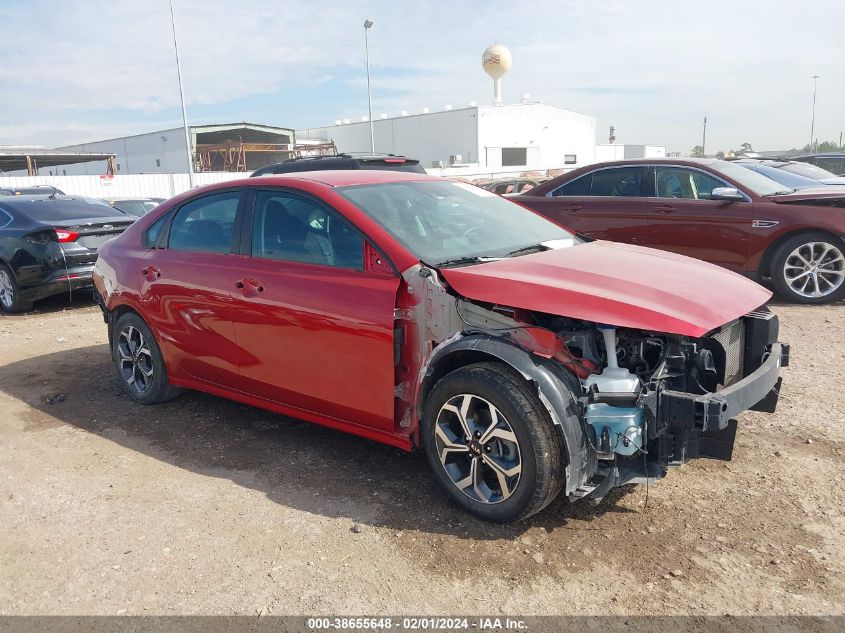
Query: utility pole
x=368, y=24
x=191, y=179
x=813, y=119
x=704, y=139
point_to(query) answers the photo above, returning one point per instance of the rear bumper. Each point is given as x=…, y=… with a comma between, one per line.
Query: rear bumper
x=60, y=281
x=713, y=411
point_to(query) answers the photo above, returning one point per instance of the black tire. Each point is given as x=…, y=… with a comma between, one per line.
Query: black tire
x=131, y=336
x=10, y=292
x=785, y=262
x=539, y=449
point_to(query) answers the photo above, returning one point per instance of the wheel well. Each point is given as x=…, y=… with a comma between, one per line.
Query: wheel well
x=450, y=363
x=766, y=261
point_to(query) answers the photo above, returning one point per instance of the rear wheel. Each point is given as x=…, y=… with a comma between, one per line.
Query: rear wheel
x=139, y=362
x=491, y=443
x=10, y=292
x=810, y=268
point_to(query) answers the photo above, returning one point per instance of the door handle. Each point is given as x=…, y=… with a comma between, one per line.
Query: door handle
x=664, y=208
x=573, y=207
x=250, y=287
x=151, y=273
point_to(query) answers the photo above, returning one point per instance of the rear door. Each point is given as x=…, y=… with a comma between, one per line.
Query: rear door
x=684, y=220
x=607, y=204
x=313, y=324
x=185, y=284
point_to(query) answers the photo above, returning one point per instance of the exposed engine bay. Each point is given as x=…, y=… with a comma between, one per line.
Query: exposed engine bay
x=644, y=400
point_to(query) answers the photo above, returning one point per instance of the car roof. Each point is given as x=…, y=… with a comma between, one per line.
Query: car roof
x=343, y=177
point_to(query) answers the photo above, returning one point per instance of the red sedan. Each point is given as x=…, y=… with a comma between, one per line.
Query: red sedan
x=713, y=210
x=426, y=313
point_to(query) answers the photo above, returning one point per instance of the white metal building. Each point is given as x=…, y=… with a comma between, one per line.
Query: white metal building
x=523, y=136
x=163, y=152
x=620, y=151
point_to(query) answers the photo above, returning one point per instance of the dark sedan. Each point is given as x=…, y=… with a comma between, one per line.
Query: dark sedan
x=792, y=173
x=48, y=245
x=713, y=210
x=135, y=206
x=831, y=161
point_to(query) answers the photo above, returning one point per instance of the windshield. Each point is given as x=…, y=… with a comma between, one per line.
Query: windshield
x=808, y=171
x=793, y=181
x=440, y=221
x=757, y=183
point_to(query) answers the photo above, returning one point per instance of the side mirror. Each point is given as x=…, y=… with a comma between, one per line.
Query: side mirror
x=728, y=194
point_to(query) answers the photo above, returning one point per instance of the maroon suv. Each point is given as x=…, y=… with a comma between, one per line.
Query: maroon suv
x=712, y=210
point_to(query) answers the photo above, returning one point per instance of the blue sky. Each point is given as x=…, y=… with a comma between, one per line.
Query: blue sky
x=90, y=69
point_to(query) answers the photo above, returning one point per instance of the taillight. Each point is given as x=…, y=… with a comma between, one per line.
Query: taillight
x=65, y=236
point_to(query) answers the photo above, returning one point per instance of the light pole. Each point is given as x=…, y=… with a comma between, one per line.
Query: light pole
x=182, y=98
x=813, y=119
x=704, y=139
x=368, y=24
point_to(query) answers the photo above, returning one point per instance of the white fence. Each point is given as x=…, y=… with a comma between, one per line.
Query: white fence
x=169, y=185
x=142, y=186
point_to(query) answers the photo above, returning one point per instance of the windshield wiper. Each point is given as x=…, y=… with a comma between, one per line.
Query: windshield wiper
x=528, y=249
x=470, y=259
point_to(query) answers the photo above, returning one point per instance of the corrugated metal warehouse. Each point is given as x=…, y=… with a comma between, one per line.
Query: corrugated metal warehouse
x=529, y=135
x=163, y=152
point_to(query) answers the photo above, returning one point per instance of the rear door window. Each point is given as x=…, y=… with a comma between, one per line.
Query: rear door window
x=205, y=225
x=623, y=182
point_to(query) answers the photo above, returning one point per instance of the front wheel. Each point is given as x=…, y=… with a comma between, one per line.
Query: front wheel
x=139, y=362
x=810, y=268
x=491, y=443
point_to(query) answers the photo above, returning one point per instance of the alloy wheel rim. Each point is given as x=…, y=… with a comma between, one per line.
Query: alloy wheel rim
x=136, y=360
x=7, y=292
x=478, y=449
x=815, y=269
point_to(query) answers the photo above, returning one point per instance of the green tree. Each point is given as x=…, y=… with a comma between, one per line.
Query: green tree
x=697, y=152
x=824, y=146
x=720, y=154
x=745, y=148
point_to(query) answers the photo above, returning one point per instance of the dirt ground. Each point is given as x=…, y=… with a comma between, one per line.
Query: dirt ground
x=204, y=506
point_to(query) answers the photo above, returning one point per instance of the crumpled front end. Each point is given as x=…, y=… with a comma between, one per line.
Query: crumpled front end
x=629, y=402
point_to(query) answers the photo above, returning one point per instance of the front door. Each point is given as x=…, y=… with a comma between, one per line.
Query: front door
x=683, y=219
x=185, y=285
x=315, y=329
x=606, y=204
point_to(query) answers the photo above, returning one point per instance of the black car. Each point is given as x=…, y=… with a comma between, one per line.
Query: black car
x=388, y=162
x=32, y=190
x=831, y=161
x=791, y=173
x=48, y=245
x=135, y=206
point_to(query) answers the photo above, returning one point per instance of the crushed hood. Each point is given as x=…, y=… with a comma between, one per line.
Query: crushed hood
x=616, y=284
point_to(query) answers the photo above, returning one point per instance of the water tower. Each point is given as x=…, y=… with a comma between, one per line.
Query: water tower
x=496, y=61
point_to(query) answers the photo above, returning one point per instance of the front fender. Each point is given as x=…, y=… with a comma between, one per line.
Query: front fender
x=555, y=387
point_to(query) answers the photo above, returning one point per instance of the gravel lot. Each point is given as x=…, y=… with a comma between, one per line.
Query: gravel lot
x=204, y=506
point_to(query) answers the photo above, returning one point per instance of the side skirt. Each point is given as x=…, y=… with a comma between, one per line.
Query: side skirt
x=309, y=416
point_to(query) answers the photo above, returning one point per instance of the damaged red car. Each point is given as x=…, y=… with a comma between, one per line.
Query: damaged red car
x=424, y=313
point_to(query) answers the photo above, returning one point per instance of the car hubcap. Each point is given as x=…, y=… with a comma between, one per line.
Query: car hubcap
x=7, y=296
x=478, y=449
x=136, y=360
x=815, y=269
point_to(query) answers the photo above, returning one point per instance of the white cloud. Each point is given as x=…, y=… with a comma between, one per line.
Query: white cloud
x=653, y=69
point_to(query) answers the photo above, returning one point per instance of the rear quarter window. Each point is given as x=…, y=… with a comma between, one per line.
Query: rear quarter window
x=578, y=187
